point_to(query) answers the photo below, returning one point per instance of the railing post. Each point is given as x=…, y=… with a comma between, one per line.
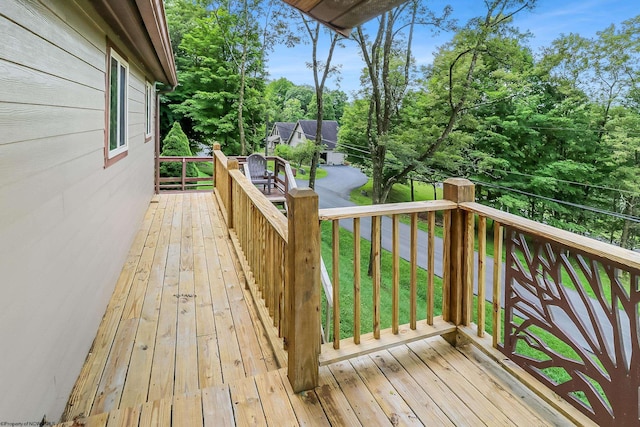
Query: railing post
x=458, y=293
x=303, y=289
x=184, y=172
x=232, y=164
x=216, y=147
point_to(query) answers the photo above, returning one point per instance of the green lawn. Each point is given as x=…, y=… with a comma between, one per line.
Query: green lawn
x=399, y=193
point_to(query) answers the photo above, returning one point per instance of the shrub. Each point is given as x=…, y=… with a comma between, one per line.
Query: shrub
x=176, y=144
x=284, y=151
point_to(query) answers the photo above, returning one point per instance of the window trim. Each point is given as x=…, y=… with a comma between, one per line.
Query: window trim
x=112, y=156
x=149, y=110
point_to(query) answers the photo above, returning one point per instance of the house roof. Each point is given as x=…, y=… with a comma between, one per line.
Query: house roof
x=329, y=131
x=342, y=15
x=142, y=27
x=284, y=129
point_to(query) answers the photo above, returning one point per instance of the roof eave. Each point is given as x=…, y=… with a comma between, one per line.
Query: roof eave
x=142, y=27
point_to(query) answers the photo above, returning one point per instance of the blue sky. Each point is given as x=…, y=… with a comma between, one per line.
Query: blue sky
x=549, y=20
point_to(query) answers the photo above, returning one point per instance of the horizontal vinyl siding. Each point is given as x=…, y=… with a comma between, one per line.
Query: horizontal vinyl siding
x=66, y=221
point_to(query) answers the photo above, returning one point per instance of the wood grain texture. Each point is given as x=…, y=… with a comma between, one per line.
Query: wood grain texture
x=385, y=209
x=303, y=252
x=591, y=246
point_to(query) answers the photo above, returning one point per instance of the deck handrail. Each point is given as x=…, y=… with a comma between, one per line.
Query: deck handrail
x=375, y=214
x=182, y=182
x=550, y=274
x=280, y=262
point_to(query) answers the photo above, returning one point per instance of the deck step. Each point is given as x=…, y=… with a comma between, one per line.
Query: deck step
x=267, y=398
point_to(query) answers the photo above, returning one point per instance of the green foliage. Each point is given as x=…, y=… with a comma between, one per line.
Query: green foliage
x=285, y=151
x=176, y=144
x=219, y=62
x=302, y=153
x=288, y=102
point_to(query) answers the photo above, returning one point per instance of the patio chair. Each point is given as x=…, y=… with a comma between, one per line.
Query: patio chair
x=256, y=170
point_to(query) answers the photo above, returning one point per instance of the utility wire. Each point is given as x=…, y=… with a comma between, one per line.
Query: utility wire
x=562, y=202
x=618, y=190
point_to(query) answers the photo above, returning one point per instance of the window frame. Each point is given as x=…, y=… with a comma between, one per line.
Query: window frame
x=149, y=110
x=122, y=107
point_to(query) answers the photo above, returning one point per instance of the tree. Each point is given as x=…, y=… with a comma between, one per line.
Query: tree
x=303, y=153
x=321, y=70
x=460, y=60
x=209, y=96
x=176, y=144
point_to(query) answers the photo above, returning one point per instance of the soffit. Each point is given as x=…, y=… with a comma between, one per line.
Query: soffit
x=343, y=15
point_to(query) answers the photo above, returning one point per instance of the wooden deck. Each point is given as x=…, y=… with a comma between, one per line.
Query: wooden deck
x=180, y=345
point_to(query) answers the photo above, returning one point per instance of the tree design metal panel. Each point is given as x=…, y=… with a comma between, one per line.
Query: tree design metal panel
x=571, y=320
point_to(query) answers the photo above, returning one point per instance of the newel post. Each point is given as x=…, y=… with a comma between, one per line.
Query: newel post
x=458, y=291
x=216, y=147
x=303, y=289
x=232, y=164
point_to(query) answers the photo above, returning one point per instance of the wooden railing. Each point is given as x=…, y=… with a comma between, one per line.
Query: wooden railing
x=565, y=302
x=280, y=257
x=182, y=182
x=373, y=217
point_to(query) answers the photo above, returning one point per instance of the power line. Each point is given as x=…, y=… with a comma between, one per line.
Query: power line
x=584, y=130
x=569, y=182
x=562, y=202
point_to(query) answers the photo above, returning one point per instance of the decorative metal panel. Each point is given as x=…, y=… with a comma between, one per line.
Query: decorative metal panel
x=571, y=320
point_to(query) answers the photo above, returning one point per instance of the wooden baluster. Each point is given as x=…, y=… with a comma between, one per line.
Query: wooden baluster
x=356, y=280
x=482, y=259
x=431, y=263
x=467, y=256
x=497, y=281
x=336, y=282
x=375, y=247
x=303, y=251
x=414, y=272
x=395, y=283
x=446, y=265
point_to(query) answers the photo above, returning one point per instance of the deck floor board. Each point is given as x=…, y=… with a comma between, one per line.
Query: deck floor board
x=181, y=344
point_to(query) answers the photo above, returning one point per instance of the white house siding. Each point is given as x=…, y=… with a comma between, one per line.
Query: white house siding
x=66, y=222
x=335, y=158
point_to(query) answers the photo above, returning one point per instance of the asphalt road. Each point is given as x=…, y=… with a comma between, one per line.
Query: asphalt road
x=333, y=191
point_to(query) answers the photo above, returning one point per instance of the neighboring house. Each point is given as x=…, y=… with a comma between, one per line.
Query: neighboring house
x=78, y=134
x=305, y=130
x=280, y=133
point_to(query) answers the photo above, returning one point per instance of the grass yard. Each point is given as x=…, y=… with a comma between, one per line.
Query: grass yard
x=399, y=193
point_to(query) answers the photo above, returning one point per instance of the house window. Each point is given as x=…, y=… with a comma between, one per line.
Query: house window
x=118, y=78
x=299, y=135
x=149, y=111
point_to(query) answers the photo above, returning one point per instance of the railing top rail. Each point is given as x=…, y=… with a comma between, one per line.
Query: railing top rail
x=290, y=178
x=242, y=159
x=188, y=158
x=277, y=220
x=385, y=209
x=585, y=244
x=221, y=157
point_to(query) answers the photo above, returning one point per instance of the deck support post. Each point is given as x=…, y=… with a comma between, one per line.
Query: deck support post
x=303, y=289
x=458, y=292
x=232, y=164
